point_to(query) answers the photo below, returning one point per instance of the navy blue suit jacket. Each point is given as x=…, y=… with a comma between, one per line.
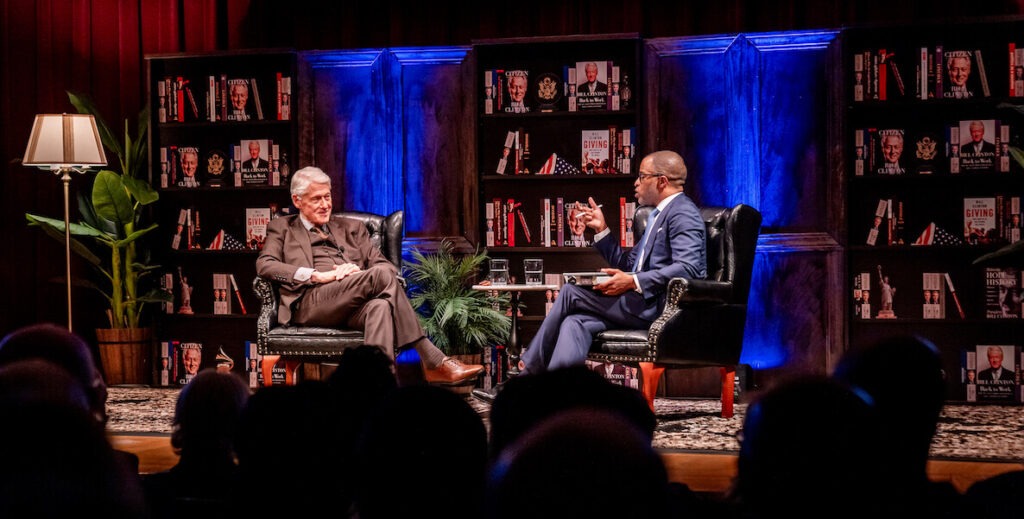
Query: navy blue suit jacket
x=677, y=248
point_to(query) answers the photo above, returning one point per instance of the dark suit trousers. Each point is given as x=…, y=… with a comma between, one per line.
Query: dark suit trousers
x=576, y=317
x=371, y=300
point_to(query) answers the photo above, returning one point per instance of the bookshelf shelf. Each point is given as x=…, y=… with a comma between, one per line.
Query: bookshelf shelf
x=914, y=172
x=198, y=214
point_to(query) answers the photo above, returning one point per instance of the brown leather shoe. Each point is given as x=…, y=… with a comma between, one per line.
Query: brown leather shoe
x=451, y=371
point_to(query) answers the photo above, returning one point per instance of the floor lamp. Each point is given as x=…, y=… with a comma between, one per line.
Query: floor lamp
x=63, y=143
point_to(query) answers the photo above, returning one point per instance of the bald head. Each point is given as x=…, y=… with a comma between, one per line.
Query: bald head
x=670, y=164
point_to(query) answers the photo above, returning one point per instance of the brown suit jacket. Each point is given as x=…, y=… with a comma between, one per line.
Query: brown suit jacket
x=288, y=247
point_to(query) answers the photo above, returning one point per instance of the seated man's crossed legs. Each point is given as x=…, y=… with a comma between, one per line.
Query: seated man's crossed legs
x=374, y=301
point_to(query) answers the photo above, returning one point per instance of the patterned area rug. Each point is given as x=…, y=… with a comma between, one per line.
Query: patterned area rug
x=966, y=432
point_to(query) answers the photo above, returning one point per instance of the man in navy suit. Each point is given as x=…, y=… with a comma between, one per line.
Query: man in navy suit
x=673, y=246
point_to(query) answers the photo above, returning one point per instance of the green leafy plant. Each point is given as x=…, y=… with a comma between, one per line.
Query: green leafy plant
x=457, y=318
x=112, y=222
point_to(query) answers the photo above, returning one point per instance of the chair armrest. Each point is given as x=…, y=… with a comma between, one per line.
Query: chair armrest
x=267, y=295
x=682, y=290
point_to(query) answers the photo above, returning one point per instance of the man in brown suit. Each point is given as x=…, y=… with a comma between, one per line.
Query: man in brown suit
x=331, y=274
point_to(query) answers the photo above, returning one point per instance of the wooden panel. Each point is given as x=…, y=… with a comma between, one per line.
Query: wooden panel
x=350, y=139
x=436, y=136
x=393, y=128
x=752, y=117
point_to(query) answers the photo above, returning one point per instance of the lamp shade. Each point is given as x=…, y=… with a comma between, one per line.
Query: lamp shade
x=64, y=140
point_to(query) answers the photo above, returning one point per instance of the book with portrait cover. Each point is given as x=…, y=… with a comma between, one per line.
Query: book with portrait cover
x=514, y=86
x=188, y=361
x=187, y=166
x=256, y=220
x=576, y=232
x=592, y=88
x=980, y=220
x=888, y=155
x=253, y=371
x=862, y=295
x=933, y=295
x=240, y=105
x=594, y=152
x=959, y=74
x=1002, y=292
x=221, y=294
x=166, y=368
x=255, y=157
x=979, y=144
x=991, y=374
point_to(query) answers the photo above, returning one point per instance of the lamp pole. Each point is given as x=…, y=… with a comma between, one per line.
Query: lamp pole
x=66, y=177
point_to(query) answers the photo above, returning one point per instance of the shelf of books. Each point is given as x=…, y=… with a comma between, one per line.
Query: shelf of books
x=222, y=146
x=934, y=182
x=557, y=123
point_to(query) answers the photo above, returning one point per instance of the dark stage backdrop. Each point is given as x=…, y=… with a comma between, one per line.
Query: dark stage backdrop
x=97, y=47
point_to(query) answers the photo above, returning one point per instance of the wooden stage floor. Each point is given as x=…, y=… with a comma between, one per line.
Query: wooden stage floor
x=701, y=471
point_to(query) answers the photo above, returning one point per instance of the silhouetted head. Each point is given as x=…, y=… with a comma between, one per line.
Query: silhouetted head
x=37, y=380
x=56, y=344
x=904, y=377
x=207, y=414
x=581, y=462
x=56, y=459
x=420, y=440
x=809, y=448
x=527, y=400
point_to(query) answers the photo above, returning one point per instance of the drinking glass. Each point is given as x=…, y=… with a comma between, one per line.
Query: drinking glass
x=498, y=272
x=534, y=270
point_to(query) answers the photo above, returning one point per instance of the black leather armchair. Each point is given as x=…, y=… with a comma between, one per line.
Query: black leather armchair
x=703, y=320
x=299, y=343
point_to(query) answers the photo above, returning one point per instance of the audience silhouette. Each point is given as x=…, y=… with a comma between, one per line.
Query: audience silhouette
x=581, y=462
x=206, y=420
x=809, y=448
x=996, y=496
x=289, y=453
x=365, y=377
x=903, y=376
x=56, y=459
x=58, y=345
x=526, y=400
x=66, y=349
x=374, y=440
x=421, y=442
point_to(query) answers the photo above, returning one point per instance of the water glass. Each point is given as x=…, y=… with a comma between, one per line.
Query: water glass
x=534, y=270
x=498, y=272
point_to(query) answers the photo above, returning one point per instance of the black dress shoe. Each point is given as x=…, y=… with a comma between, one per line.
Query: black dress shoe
x=488, y=395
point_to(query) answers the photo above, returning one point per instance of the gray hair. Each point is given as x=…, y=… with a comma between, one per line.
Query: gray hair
x=302, y=178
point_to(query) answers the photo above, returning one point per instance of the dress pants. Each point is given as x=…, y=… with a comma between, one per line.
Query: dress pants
x=371, y=300
x=577, y=315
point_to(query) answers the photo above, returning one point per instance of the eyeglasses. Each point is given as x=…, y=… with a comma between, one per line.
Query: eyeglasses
x=641, y=176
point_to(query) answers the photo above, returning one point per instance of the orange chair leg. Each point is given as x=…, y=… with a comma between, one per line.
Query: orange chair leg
x=728, y=386
x=650, y=375
x=267, y=368
x=291, y=368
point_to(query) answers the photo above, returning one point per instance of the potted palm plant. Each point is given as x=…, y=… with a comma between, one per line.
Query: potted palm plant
x=459, y=320
x=107, y=237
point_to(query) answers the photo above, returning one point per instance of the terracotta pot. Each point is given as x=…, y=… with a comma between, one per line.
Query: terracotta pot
x=124, y=354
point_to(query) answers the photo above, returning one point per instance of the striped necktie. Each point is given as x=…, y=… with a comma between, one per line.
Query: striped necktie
x=648, y=230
